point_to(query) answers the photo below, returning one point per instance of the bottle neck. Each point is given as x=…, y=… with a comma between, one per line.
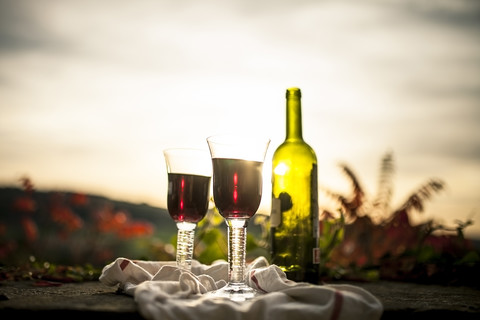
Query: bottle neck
x=294, y=114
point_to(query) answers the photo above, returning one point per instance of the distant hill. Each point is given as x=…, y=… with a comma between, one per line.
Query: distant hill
x=158, y=217
x=71, y=228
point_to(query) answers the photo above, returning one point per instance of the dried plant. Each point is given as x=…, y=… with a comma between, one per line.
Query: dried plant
x=385, y=243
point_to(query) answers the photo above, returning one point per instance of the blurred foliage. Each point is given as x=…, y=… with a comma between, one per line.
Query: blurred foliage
x=62, y=230
x=380, y=243
x=63, y=237
x=47, y=274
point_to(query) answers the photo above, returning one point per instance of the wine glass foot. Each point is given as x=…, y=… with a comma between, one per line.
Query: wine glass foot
x=238, y=292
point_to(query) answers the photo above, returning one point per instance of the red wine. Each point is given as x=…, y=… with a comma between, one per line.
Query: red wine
x=237, y=187
x=187, y=198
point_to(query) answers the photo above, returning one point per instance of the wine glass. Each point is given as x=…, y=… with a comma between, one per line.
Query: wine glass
x=237, y=191
x=189, y=174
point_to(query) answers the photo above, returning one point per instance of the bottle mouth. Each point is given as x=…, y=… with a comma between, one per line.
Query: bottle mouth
x=294, y=92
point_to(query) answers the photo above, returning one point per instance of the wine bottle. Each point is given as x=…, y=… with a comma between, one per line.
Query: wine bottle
x=294, y=233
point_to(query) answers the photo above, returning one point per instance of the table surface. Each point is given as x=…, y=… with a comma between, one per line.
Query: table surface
x=94, y=300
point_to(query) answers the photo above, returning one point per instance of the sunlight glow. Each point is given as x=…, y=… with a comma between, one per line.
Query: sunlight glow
x=281, y=169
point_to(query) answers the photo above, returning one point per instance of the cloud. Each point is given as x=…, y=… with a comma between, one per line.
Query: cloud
x=23, y=29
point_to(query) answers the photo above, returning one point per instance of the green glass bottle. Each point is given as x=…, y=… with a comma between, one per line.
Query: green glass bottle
x=294, y=229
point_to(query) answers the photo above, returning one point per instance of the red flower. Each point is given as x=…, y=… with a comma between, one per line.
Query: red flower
x=135, y=229
x=79, y=199
x=30, y=229
x=24, y=204
x=65, y=216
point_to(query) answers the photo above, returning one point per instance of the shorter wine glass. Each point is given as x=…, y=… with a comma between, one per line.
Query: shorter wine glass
x=189, y=174
x=237, y=162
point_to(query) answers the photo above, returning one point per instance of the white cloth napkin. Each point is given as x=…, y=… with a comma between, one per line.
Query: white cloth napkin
x=164, y=292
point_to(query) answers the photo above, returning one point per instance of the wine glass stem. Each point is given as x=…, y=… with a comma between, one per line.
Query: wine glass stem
x=185, y=238
x=237, y=240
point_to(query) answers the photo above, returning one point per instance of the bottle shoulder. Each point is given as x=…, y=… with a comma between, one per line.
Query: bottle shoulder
x=295, y=149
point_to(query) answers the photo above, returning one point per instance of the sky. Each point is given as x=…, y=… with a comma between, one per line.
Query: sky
x=91, y=92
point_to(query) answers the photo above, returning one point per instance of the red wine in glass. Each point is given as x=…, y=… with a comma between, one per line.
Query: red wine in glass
x=239, y=192
x=187, y=198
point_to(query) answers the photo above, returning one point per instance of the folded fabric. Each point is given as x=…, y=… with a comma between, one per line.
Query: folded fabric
x=164, y=292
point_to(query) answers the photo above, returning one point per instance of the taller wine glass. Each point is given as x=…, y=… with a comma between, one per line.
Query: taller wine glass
x=237, y=191
x=189, y=174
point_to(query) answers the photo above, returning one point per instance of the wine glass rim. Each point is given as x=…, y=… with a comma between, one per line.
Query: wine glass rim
x=238, y=146
x=188, y=161
x=227, y=138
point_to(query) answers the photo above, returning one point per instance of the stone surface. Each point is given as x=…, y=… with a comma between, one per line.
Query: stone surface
x=94, y=300
x=414, y=301
x=89, y=299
